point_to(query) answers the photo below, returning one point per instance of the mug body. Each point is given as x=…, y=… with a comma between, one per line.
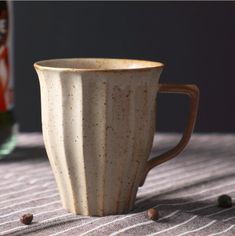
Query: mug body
x=98, y=120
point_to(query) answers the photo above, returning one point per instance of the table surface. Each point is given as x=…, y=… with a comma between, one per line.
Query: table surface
x=184, y=190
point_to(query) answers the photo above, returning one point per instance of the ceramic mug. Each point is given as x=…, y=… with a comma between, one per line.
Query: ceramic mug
x=98, y=120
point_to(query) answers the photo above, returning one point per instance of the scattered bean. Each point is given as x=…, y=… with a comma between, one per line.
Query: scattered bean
x=26, y=219
x=152, y=214
x=225, y=201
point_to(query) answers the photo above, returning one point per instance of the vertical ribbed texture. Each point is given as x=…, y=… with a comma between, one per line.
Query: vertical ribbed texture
x=53, y=137
x=94, y=141
x=73, y=141
x=98, y=130
x=130, y=129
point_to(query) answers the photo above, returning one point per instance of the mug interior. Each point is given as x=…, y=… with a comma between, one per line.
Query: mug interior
x=96, y=64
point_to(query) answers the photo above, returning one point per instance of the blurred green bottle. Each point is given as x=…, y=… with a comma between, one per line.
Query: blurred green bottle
x=7, y=121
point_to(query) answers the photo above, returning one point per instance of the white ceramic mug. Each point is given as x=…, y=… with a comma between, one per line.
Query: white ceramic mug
x=98, y=120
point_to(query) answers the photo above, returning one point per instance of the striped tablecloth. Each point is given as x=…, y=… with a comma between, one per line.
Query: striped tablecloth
x=184, y=190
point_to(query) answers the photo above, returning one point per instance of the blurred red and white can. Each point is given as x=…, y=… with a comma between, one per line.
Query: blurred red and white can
x=7, y=121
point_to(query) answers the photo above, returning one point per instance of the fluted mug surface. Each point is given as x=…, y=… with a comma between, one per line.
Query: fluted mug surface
x=98, y=120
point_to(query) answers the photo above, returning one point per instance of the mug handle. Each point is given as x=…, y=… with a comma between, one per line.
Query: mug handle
x=193, y=92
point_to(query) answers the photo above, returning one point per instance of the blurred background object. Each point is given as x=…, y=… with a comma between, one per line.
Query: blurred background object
x=195, y=41
x=7, y=121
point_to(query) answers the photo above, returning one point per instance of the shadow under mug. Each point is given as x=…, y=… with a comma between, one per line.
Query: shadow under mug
x=98, y=120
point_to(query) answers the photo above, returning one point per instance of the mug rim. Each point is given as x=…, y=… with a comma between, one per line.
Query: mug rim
x=144, y=65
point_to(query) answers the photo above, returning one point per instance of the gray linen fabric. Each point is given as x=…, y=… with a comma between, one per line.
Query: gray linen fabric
x=184, y=190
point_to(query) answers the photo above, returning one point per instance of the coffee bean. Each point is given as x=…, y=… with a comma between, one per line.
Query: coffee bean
x=225, y=201
x=26, y=218
x=152, y=214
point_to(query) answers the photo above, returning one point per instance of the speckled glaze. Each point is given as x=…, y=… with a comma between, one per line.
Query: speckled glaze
x=98, y=120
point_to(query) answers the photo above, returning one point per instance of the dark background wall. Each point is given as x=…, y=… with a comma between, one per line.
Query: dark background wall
x=195, y=40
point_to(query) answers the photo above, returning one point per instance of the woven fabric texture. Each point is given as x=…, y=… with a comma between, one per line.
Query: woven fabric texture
x=183, y=190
